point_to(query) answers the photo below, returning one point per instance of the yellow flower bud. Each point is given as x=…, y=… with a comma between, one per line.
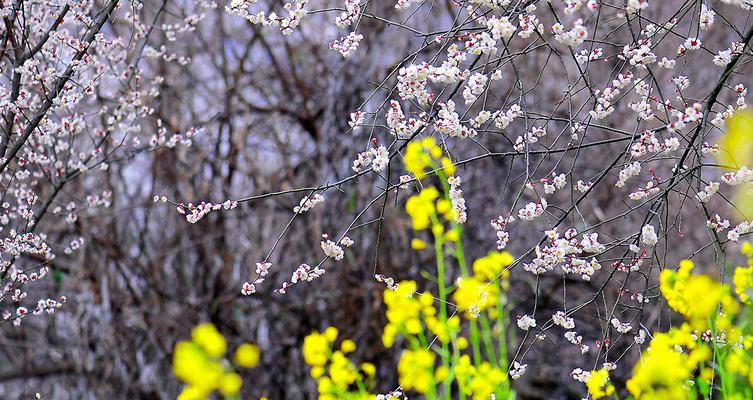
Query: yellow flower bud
x=247, y=355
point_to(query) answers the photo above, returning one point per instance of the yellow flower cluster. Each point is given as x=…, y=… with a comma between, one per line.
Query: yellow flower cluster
x=336, y=375
x=598, y=384
x=477, y=292
x=493, y=266
x=696, y=297
x=740, y=363
x=743, y=277
x=678, y=364
x=425, y=367
x=666, y=367
x=201, y=365
x=428, y=210
x=408, y=314
x=416, y=370
x=477, y=382
x=743, y=281
x=474, y=295
x=404, y=310
x=421, y=155
x=485, y=380
x=421, y=208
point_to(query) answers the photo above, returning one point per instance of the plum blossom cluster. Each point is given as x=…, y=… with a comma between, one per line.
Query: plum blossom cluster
x=308, y=202
x=376, y=157
x=526, y=322
x=457, y=200
x=262, y=269
x=59, y=138
x=399, y=126
x=604, y=117
x=499, y=225
x=564, y=251
x=332, y=249
x=295, y=12
x=573, y=37
x=532, y=210
x=194, y=213
x=304, y=273
x=346, y=45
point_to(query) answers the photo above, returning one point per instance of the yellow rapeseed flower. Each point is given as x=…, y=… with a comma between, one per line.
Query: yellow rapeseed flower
x=192, y=393
x=192, y=366
x=331, y=334
x=662, y=371
x=230, y=384
x=316, y=349
x=420, y=208
x=417, y=244
x=493, y=265
x=342, y=372
x=743, y=281
x=348, y=346
x=598, y=384
x=416, y=160
x=247, y=355
x=474, y=295
x=416, y=370
x=447, y=166
x=368, y=368
x=403, y=311
x=486, y=380
x=209, y=338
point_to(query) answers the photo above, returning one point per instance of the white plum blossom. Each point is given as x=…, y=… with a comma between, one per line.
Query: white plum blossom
x=667, y=63
x=707, y=17
x=305, y=273
x=648, y=235
x=622, y=327
x=308, y=202
x=532, y=210
x=248, y=288
x=475, y=86
x=346, y=45
x=457, y=200
x=580, y=375
x=295, y=9
x=517, y=370
x=741, y=229
x=349, y=16
x=707, y=192
x=499, y=225
x=640, y=338
x=262, y=268
x=560, y=318
x=376, y=157
x=723, y=58
x=448, y=122
x=501, y=28
x=346, y=241
x=573, y=37
x=573, y=337
x=526, y=322
x=631, y=170
x=741, y=176
x=331, y=249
